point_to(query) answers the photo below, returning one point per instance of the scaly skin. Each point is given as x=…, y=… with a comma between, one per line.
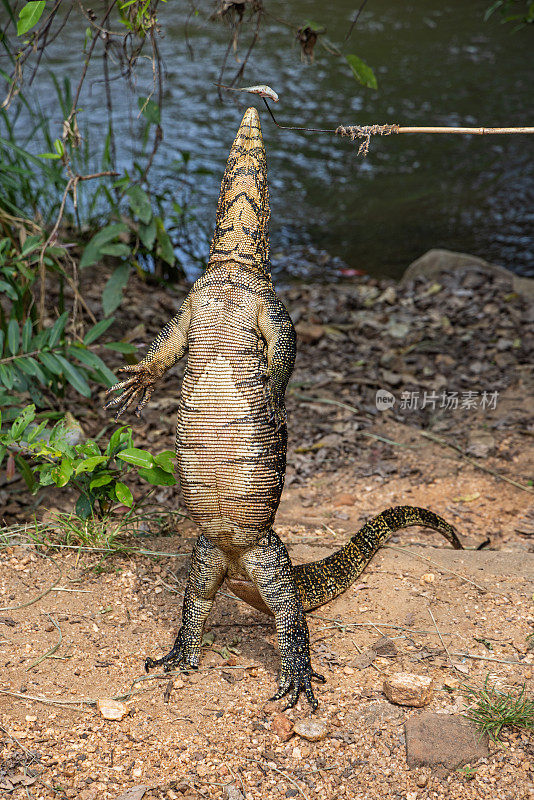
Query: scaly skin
x=231, y=436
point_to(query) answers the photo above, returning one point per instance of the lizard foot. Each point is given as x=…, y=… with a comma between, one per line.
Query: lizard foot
x=294, y=682
x=180, y=657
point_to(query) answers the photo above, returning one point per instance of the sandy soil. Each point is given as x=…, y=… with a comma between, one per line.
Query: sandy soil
x=210, y=733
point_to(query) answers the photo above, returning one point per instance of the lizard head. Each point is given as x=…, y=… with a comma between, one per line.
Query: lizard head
x=242, y=226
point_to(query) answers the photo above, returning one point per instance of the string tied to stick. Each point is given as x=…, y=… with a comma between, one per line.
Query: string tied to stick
x=365, y=132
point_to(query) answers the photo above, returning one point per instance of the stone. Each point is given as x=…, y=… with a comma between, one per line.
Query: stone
x=344, y=499
x=406, y=689
x=365, y=659
x=112, y=709
x=375, y=715
x=445, y=741
x=231, y=792
x=385, y=647
x=282, y=726
x=309, y=332
x=311, y=729
x=480, y=444
x=134, y=793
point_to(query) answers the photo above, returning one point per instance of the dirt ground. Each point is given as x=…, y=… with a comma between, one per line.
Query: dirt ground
x=457, y=617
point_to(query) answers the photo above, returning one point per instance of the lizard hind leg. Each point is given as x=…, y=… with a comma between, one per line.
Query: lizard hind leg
x=268, y=565
x=207, y=572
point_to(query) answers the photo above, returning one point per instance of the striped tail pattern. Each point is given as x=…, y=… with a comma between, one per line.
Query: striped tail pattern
x=321, y=581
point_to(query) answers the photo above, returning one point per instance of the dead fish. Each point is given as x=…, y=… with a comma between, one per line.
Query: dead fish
x=263, y=90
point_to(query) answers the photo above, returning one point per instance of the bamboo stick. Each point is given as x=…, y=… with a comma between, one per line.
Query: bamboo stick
x=445, y=129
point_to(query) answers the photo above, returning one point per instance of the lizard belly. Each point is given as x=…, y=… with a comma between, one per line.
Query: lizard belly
x=231, y=460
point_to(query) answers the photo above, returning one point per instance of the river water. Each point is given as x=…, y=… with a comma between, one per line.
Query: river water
x=437, y=63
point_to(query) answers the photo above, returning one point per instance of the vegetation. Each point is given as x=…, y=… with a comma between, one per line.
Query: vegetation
x=60, y=457
x=493, y=709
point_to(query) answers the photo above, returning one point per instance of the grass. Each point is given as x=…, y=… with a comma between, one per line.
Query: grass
x=492, y=709
x=110, y=536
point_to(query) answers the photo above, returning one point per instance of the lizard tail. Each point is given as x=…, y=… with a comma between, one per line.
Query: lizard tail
x=242, y=227
x=321, y=581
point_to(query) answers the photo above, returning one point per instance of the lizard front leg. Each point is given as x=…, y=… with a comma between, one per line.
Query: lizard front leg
x=277, y=330
x=207, y=572
x=267, y=563
x=167, y=348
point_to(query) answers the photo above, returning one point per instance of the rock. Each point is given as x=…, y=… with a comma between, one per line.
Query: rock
x=87, y=794
x=385, y=647
x=344, y=499
x=282, y=726
x=480, y=444
x=389, y=295
x=406, y=689
x=399, y=330
x=428, y=577
x=434, y=262
x=443, y=740
x=311, y=729
x=309, y=332
x=365, y=659
x=231, y=792
x=421, y=780
x=135, y=793
x=377, y=714
x=112, y=709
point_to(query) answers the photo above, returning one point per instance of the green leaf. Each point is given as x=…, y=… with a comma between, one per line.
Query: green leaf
x=34, y=432
x=166, y=460
x=97, y=330
x=140, y=203
x=121, y=347
x=29, y=15
x=13, y=336
x=74, y=377
x=26, y=472
x=7, y=375
x=27, y=330
x=31, y=244
x=123, y=494
x=157, y=476
x=147, y=234
x=313, y=26
x=22, y=421
x=63, y=473
x=88, y=464
x=112, y=294
x=51, y=156
x=118, y=439
x=101, y=480
x=119, y=250
x=91, y=253
x=361, y=71
x=149, y=109
x=51, y=363
x=165, y=250
x=9, y=290
x=57, y=330
x=84, y=507
x=32, y=364
x=91, y=360
x=140, y=458
x=3, y=451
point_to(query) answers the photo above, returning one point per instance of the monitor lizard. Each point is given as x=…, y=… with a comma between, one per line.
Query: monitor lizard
x=231, y=436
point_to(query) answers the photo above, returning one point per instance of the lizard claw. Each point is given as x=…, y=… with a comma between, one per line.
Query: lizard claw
x=295, y=682
x=182, y=657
